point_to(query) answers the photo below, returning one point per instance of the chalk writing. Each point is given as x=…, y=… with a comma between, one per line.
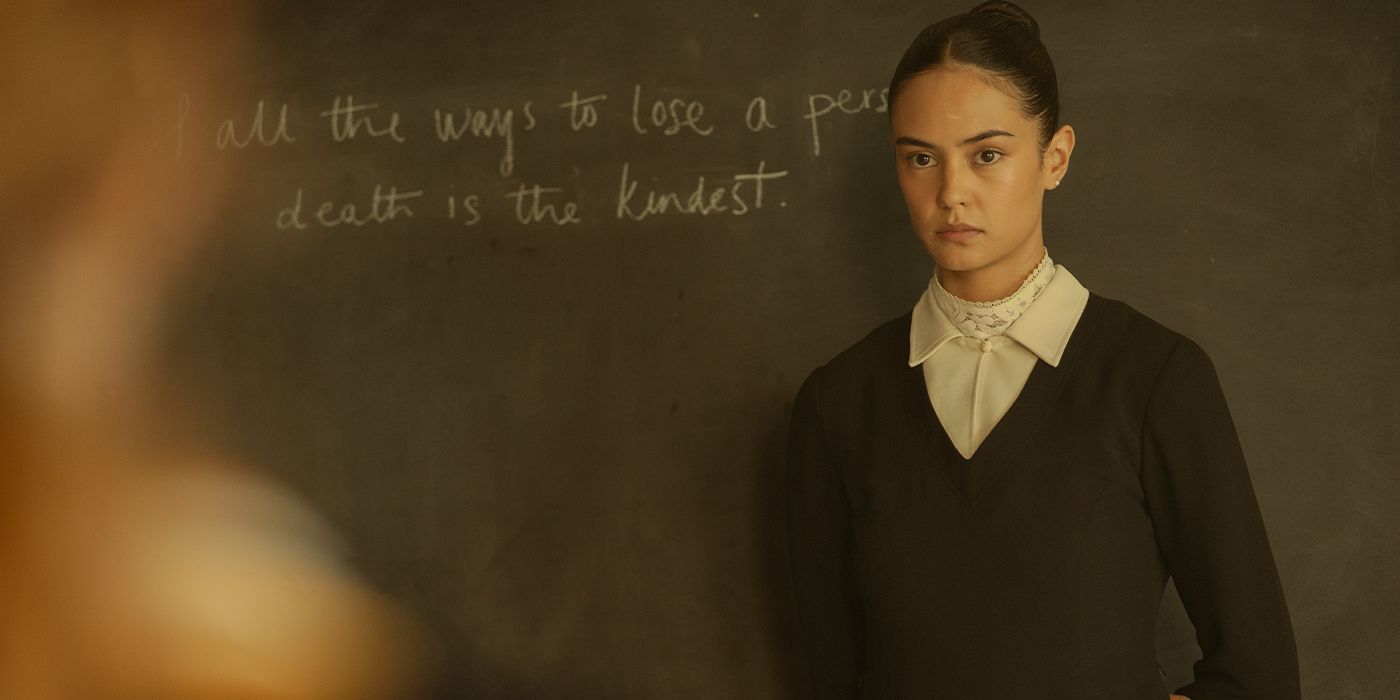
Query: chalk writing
x=384, y=207
x=756, y=115
x=347, y=119
x=182, y=115
x=819, y=104
x=480, y=123
x=530, y=207
x=470, y=206
x=674, y=115
x=256, y=131
x=637, y=196
x=699, y=200
x=582, y=113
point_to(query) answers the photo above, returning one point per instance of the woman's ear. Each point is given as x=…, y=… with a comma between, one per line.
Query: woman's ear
x=1056, y=161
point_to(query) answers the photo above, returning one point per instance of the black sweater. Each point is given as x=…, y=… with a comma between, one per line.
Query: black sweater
x=1034, y=569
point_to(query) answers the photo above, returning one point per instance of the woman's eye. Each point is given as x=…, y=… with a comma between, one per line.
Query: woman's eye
x=983, y=161
x=921, y=160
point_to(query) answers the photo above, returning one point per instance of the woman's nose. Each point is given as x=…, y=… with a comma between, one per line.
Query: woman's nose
x=951, y=187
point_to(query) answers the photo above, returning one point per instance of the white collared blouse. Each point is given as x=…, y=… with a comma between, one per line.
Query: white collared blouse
x=976, y=356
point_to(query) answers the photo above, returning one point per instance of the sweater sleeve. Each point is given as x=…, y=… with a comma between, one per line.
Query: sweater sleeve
x=1212, y=538
x=819, y=548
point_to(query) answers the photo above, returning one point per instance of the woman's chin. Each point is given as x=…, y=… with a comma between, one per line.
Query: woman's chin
x=951, y=258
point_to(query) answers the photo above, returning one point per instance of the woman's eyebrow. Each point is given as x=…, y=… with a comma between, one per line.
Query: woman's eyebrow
x=909, y=140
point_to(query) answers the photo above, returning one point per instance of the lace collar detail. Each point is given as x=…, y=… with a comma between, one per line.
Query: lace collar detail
x=984, y=319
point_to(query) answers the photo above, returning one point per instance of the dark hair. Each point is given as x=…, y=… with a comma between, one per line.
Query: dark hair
x=997, y=37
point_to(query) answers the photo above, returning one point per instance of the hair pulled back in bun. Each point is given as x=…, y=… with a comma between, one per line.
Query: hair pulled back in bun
x=1011, y=11
x=1001, y=39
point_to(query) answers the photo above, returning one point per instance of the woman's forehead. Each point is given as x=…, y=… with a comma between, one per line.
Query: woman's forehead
x=954, y=105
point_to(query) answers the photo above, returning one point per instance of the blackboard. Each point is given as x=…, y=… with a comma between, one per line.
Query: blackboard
x=538, y=372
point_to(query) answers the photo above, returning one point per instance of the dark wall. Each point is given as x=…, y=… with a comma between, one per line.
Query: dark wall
x=560, y=444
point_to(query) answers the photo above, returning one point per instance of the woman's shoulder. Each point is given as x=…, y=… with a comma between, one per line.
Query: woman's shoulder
x=1127, y=321
x=883, y=349
x=1128, y=332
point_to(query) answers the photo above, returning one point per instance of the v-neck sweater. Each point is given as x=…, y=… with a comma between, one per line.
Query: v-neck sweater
x=1036, y=567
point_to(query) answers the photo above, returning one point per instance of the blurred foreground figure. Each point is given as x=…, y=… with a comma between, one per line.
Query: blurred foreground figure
x=132, y=564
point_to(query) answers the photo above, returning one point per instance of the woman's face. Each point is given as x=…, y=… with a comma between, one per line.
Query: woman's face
x=967, y=156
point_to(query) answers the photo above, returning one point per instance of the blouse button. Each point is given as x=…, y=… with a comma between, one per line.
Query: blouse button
x=986, y=344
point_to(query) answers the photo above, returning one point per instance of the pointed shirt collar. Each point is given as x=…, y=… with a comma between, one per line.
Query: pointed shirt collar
x=1043, y=328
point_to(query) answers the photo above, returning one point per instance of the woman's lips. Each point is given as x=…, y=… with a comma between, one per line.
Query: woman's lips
x=958, y=235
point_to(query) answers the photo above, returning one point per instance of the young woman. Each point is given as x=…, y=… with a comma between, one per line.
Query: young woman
x=987, y=494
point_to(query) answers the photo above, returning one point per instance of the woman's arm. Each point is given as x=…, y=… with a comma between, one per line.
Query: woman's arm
x=1211, y=534
x=818, y=535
